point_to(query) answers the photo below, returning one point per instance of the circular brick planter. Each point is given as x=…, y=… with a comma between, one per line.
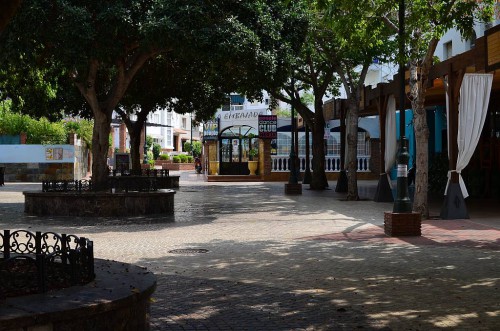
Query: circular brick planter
x=98, y=203
x=118, y=299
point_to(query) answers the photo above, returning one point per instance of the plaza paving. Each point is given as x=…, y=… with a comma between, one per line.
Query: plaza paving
x=308, y=262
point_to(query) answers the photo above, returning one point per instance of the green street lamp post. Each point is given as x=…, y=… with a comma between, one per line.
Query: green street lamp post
x=307, y=172
x=293, y=179
x=402, y=203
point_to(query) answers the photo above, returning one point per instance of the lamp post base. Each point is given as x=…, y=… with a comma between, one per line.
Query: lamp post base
x=293, y=188
x=402, y=224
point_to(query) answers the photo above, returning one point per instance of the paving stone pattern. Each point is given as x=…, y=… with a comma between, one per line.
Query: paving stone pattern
x=306, y=262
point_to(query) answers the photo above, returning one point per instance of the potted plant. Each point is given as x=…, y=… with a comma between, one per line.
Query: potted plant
x=253, y=164
x=252, y=153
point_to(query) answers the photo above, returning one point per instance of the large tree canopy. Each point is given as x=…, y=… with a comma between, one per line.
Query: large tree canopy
x=173, y=84
x=99, y=47
x=313, y=71
x=360, y=38
x=342, y=41
x=7, y=10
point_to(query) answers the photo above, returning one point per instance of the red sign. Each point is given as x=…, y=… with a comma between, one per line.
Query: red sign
x=268, y=126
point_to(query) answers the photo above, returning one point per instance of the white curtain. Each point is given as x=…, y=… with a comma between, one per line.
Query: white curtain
x=472, y=109
x=390, y=135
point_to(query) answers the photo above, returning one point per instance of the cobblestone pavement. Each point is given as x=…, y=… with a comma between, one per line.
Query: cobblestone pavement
x=308, y=262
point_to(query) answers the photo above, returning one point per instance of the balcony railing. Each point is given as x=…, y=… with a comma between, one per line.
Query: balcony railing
x=280, y=163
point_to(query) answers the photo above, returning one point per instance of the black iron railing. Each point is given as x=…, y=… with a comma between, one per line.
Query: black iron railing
x=132, y=183
x=142, y=172
x=141, y=180
x=66, y=185
x=37, y=262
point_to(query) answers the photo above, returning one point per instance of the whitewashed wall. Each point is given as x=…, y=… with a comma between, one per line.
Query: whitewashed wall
x=37, y=154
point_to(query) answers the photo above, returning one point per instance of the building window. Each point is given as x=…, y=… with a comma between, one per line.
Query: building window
x=333, y=147
x=284, y=143
x=363, y=144
x=302, y=143
x=169, y=137
x=169, y=118
x=448, y=50
x=184, y=123
x=234, y=102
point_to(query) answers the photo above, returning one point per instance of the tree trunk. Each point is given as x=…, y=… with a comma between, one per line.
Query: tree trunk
x=420, y=203
x=100, y=146
x=135, y=130
x=135, y=148
x=103, y=111
x=352, y=149
x=318, y=178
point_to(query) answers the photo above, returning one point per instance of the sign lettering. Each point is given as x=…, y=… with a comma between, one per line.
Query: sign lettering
x=268, y=126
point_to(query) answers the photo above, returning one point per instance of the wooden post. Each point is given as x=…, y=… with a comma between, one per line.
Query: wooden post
x=454, y=204
x=384, y=192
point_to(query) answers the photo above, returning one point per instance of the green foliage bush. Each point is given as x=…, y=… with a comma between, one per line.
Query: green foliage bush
x=149, y=142
x=190, y=159
x=43, y=131
x=187, y=146
x=164, y=157
x=156, y=150
x=83, y=128
x=176, y=159
x=12, y=123
x=196, y=148
x=183, y=158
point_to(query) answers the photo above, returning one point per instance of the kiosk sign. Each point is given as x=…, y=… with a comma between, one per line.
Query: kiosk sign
x=211, y=130
x=268, y=126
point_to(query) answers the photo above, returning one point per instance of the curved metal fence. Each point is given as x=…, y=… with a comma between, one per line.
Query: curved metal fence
x=37, y=262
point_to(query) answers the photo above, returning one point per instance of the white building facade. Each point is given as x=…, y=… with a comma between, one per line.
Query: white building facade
x=167, y=128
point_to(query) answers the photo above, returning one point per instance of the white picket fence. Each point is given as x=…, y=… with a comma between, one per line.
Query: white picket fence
x=280, y=163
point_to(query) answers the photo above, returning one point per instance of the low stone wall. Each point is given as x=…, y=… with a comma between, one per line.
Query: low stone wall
x=98, y=203
x=117, y=300
x=34, y=163
x=37, y=172
x=178, y=166
x=163, y=182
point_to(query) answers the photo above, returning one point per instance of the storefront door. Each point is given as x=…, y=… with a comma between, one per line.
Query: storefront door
x=235, y=144
x=233, y=161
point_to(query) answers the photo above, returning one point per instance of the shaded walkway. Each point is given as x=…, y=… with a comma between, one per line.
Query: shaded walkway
x=309, y=262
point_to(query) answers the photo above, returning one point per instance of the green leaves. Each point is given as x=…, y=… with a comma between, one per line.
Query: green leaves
x=42, y=131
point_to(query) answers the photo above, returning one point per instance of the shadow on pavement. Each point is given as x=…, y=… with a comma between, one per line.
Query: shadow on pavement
x=324, y=286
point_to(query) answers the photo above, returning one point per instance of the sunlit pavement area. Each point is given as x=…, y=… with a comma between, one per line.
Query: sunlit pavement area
x=306, y=262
